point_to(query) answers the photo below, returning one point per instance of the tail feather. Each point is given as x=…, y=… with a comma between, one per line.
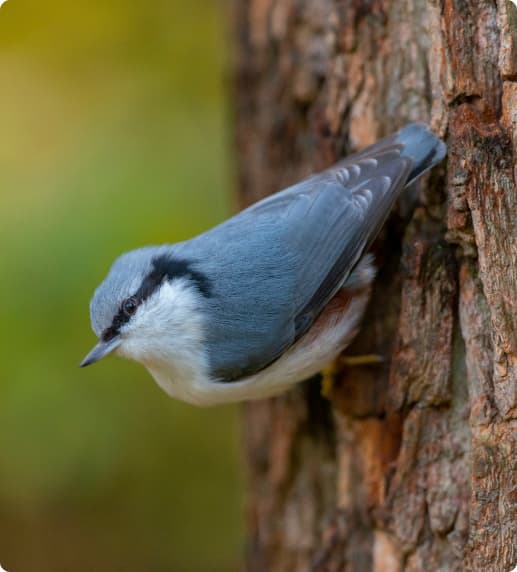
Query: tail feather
x=422, y=146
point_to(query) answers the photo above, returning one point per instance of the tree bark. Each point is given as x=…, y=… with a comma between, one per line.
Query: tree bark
x=412, y=465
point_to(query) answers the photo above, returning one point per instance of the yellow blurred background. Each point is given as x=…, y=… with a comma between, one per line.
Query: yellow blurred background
x=112, y=136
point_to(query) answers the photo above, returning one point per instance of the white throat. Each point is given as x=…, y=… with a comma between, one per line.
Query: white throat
x=166, y=335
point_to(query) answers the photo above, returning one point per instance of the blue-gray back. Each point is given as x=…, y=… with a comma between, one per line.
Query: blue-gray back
x=274, y=266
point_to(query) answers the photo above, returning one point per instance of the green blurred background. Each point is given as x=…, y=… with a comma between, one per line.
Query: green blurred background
x=112, y=135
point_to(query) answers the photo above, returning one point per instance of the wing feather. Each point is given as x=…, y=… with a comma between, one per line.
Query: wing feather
x=290, y=253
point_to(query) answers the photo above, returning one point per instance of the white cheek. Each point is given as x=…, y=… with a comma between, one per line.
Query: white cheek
x=167, y=326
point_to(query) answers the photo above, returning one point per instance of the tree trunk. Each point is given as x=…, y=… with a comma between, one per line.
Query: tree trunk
x=410, y=465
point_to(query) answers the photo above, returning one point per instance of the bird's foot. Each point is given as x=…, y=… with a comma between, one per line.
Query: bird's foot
x=355, y=361
x=328, y=374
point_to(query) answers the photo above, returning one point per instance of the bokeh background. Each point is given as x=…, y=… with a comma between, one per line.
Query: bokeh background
x=113, y=134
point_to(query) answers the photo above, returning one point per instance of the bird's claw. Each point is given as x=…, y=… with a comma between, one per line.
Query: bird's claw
x=328, y=373
x=327, y=379
x=366, y=359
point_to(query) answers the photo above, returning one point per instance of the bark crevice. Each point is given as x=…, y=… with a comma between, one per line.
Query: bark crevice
x=412, y=465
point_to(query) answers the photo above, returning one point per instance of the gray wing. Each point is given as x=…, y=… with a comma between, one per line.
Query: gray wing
x=340, y=212
x=276, y=265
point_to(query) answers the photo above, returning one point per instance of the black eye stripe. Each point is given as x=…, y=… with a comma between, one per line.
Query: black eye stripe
x=169, y=268
x=164, y=267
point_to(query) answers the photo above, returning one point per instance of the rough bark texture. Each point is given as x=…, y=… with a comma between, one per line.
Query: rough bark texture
x=410, y=466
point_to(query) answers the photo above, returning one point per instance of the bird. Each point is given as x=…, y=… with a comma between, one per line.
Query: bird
x=269, y=297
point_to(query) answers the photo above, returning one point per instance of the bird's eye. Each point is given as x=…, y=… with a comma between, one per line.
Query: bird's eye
x=129, y=306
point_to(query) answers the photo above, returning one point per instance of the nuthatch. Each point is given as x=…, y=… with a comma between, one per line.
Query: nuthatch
x=269, y=297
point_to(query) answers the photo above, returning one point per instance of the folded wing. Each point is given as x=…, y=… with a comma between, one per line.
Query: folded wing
x=277, y=264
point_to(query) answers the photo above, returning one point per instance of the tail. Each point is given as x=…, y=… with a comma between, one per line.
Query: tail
x=422, y=146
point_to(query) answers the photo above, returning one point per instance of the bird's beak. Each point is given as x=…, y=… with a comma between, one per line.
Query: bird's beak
x=100, y=350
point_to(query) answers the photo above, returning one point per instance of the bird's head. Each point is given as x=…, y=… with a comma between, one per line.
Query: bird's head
x=148, y=307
